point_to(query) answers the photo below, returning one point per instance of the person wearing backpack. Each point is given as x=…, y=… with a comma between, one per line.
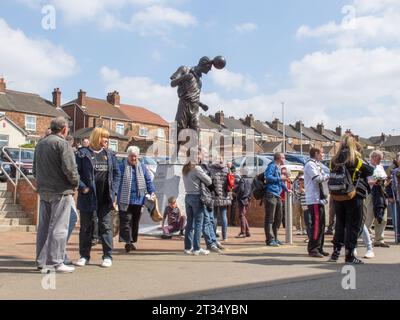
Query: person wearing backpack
x=316, y=200
x=274, y=183
x=243, y=192
x=348, y=186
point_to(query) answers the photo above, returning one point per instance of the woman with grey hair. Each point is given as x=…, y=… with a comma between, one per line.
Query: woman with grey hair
x=135, y=183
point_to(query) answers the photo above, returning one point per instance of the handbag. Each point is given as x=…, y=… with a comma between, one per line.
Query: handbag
x=152, y=206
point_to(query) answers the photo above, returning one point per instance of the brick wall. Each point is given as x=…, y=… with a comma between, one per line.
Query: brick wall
x=26, y=197
x=42, y=122
x=255, y=216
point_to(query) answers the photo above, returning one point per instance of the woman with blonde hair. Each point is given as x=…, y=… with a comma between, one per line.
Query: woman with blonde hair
x=98, y=185
x=349, y=187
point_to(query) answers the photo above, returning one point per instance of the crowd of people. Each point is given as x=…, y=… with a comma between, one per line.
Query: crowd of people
x=356, y=193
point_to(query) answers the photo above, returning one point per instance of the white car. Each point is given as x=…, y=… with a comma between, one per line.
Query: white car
x=257, y=164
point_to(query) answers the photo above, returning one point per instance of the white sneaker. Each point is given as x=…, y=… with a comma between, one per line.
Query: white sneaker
x=201, y=252
x=369, y=255
x=81, y=262
x=188, y=252
x=107, y=263
x=62, y=268
x=299, y=232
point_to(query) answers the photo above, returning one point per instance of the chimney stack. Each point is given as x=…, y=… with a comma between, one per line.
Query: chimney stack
x=249, y=121
x=339, y=131
x=277, y=125
x=114, y=98
x=321, y=128
x=81, y=97
x=2, y=85
x=219, y=118
x=299, y=126
x=57, y=97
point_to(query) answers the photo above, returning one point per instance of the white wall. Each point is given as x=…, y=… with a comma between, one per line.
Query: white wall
x=15, y=137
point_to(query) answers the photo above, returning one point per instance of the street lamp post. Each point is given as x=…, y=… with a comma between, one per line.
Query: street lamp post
x=284, y=128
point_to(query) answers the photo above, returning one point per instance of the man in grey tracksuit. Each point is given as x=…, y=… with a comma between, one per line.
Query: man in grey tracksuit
x=314, y=177
x=57, y=177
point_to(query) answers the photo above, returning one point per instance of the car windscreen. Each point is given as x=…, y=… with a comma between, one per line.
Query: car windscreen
x=25, y=154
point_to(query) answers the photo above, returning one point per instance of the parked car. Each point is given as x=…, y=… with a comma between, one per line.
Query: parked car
x=5, y=167
x=22, y=157
x=258, y=163
x=150, y=163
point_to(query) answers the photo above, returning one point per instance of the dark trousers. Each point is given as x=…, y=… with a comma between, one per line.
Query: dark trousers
x=308, y=223
x=317, y=228
x=349, y=220
x=273, y=216
x=244, y=225
x=129, y=224
x=95, y=221
x=105, y=232
x=332, y=216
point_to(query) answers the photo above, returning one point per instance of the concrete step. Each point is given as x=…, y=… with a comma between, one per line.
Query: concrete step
x=6, y=201
x=12, y=214
x=15, y=221
x=29, y=228
x=5, y=194
x=9, y=207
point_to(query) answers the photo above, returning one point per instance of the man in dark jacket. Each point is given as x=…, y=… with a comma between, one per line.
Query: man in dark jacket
x=57, y=177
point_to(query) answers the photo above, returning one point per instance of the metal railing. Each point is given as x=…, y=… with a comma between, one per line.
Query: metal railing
x=18, y=171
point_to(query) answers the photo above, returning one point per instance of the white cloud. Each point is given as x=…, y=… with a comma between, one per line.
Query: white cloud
x=159, y=20
x=149, y=17
x=232, y=81
x=32, y=64
x=142, y=91
x=246, y=27
x=365, y=22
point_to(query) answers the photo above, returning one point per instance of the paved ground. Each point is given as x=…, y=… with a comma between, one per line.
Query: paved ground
x=159, y=270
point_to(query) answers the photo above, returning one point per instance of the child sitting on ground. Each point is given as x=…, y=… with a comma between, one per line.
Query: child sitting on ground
x=176, y=221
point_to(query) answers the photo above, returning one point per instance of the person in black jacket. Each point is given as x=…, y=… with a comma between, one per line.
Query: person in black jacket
x=243, y=193
x=349, y=213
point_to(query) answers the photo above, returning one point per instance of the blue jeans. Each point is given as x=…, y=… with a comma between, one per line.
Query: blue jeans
x=194, y=213
x=222, y=212
x=395, y=210
x=73, y=219
x=208, y=228
x=366, y=238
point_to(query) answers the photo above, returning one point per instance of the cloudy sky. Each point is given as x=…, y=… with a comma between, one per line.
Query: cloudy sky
x=332, y=61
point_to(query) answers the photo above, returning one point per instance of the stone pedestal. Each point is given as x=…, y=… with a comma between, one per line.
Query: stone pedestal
x=168, y=183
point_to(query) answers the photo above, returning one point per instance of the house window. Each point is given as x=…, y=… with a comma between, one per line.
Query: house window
x=160, y=133
x=113, y=145
x=143, y=132
x=120, y=128
x=2, y=113
x=3, y=140
x=30, y=123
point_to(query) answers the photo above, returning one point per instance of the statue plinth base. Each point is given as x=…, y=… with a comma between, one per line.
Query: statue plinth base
x=168, y=183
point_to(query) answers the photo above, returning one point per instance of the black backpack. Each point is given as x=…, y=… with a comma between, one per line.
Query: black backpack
x=341, y=184
x=258, y=187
